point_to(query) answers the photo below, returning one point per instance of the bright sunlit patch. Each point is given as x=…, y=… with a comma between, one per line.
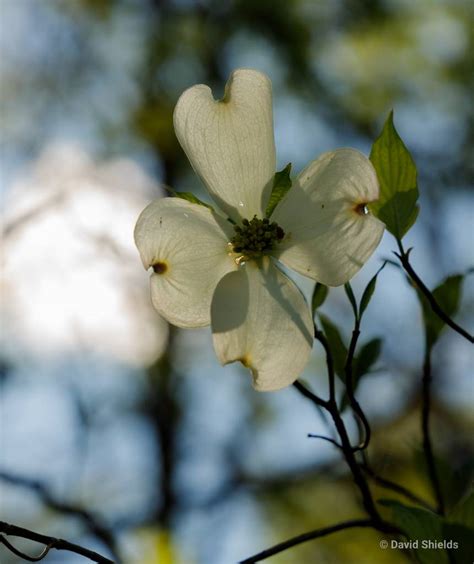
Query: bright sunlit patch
x=72, y=282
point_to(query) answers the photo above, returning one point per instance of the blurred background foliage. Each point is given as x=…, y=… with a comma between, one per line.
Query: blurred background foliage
x=175, y=459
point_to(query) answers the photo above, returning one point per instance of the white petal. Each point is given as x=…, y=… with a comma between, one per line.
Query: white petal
x=328, y=235
x=187, y=246
x=260, y=318
x=230, y=142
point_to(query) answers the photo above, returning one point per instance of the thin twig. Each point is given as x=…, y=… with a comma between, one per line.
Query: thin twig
x=309, y=394
x=375, y=520
x=324, y=438
x=350, y=387
x=357, y=474
x=52, y=542
x=321, y=337
x=425, y=426
x=311, y=535
x=346, y=447
x=405, y=260
x=320, y=403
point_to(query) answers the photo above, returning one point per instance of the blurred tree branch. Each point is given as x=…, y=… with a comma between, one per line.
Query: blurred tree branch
x=93, y=525
x=49, y=542
x=316, y=534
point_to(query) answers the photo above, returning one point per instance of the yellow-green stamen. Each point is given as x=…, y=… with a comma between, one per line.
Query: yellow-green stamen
x=256, y=237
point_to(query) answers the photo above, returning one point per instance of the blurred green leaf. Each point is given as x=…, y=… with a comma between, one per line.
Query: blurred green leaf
x=336, y=344
x=367, y=357
x=320, y=293
x=419, y=524
x=369, y=291
x=351, y=297
x=397, y=174
x=281, y=185
x=188, y=196
x=448, y=296
x=447, y=471
x=464, y=537
x=422, y=525
x=463, y=512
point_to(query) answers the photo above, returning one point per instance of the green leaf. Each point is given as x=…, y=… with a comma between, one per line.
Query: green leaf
x=448, y=296
x=369, y=291
x=399, y=212
x=188, y=196
x=367, y=357
x=351, y=297
x=320, y=293
x=419, y=525
x=396, y=171
x=412, y=219
x=281, y=185
x=336, y=344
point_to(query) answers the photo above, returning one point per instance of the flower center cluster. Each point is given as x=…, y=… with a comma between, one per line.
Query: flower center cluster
x=256, y=237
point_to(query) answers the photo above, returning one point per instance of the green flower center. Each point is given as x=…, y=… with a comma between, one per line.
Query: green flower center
x=256, y=237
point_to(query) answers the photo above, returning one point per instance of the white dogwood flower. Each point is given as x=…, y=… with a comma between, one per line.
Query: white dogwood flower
x=209, y=270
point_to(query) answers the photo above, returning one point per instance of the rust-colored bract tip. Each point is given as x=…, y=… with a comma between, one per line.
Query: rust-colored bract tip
x=160, y=267
x=361, y=209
